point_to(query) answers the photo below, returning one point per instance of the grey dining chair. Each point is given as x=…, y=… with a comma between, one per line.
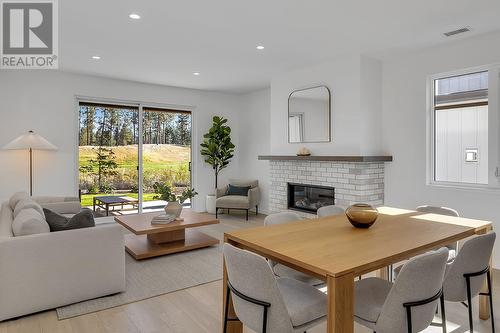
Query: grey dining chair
x=283, y=270
x=265, y=303
x=441, y=211
x=408, y=304
x=329, y=211
x=466, y=274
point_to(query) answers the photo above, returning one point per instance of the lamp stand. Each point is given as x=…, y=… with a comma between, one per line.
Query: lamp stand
x=31, y=172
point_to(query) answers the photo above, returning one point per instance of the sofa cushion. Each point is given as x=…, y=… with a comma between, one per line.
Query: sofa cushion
x=25, y=204
x=233, y=201
x=50, y=199
x=63, y=207
x=57, y=222
x=29, y=222
x=16, y=197
x=6, y=220
x=244, y=182
x=237, y=190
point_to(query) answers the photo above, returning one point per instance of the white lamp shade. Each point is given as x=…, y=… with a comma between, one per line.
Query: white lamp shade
x=30, y=140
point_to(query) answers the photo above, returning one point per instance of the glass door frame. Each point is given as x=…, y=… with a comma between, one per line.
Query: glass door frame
x=141, y=106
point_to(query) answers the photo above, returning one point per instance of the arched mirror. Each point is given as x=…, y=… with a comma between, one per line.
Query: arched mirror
x=309, y=115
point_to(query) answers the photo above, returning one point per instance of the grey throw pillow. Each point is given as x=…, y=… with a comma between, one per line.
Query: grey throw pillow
x=57, y=222
x=237, y=190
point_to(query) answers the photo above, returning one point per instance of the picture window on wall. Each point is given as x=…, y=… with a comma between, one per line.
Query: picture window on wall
x=460, y=114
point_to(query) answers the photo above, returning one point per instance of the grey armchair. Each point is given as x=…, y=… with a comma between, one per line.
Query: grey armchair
x=239, y=202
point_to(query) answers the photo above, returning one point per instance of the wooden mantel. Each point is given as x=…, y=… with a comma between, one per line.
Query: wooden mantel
x=354, y=158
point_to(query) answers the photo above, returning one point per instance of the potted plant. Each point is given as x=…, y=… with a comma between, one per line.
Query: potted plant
x=218, y=151
x=174, y=203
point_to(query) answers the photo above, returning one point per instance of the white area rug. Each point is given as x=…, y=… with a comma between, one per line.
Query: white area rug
x=162, y=275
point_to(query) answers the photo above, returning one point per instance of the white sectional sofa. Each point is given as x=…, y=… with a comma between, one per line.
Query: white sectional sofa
x=47, y=270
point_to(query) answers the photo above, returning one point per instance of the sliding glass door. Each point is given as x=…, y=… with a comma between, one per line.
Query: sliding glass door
x=122, y=147
x=166, y=155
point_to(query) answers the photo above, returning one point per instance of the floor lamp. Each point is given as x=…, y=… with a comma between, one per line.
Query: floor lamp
x=30, y=141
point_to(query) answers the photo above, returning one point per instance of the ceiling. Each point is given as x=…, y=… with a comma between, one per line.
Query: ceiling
x=218, y=38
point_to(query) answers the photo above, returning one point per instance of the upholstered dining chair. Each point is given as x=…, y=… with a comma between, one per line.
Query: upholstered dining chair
x=408, y=304
x=466, y=274
x=265, y=303
x=441, y=211
x=329, y=211
x=282, y=270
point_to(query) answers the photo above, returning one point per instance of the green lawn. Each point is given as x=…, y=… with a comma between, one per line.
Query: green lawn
x=161, y=163
x=87, y=199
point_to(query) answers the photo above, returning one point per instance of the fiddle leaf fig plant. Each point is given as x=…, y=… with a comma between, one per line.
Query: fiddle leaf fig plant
x=217, y=147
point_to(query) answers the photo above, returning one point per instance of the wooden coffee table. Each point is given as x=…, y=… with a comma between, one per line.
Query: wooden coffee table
x=149, y=240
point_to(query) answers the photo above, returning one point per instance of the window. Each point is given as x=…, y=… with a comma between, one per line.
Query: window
x=460, y=129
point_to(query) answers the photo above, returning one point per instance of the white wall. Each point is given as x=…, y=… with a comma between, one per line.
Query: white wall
x=254, y=139
x=354, y=82
x=405, y=135
x=44, y=101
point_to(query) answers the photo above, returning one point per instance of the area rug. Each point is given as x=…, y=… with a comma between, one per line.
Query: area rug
x=162, y=275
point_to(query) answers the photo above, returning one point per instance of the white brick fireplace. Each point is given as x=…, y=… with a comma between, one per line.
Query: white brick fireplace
x=354, y=182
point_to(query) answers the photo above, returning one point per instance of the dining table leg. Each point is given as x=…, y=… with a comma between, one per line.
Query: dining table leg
x=340, y=316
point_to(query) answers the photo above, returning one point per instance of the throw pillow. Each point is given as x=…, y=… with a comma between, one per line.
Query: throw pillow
x=237, y=190
x=25, y=204
x=29, y=222
x=57, y=222
x=16, y=197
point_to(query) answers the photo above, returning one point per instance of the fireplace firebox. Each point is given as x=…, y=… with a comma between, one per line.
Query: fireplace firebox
x=308, y=198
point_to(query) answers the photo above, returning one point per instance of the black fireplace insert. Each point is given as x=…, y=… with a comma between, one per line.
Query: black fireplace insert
x=308, y=198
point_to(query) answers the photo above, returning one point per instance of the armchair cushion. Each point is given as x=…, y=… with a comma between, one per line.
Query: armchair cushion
x=233, y=201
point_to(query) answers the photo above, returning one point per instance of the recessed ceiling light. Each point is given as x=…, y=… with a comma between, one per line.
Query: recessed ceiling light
x=260, y=47
x=96, y=57
x=134, y=16
x=196, y=73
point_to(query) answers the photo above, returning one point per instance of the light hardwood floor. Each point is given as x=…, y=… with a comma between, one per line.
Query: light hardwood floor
x=193, y=310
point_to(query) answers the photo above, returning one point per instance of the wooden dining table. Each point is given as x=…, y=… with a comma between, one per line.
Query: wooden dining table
x=331, y=249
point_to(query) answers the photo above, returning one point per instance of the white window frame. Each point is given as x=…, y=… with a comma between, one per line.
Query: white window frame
x=493, y=130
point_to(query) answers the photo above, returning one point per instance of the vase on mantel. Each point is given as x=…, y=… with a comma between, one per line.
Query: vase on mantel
x=173, y=208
